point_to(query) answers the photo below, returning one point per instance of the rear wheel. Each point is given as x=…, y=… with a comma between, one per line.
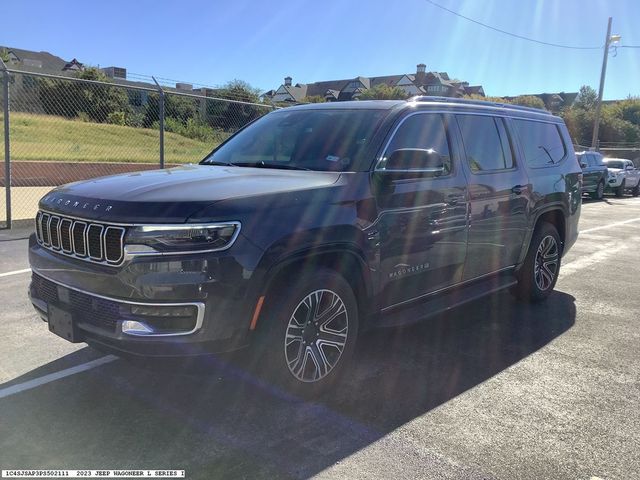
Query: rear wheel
x=539, y=273
x=309, y=333
x=599, y=193
x=620, y=190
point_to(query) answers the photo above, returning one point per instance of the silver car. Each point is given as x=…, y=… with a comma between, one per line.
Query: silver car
x=623, y=175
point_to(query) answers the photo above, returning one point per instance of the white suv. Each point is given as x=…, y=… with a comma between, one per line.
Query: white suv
x=623, y=175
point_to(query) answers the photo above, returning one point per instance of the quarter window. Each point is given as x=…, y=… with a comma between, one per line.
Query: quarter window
x=426, y=131
x=541, y=142
x=485, y=142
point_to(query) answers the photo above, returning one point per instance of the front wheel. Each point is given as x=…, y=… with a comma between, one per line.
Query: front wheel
x=539, y=273
x=636, y=190
x=309, y=333
x=620, y=190
x=599, y=193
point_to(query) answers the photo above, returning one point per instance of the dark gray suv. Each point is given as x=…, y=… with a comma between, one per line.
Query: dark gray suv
x=306, y=227
x=594, y=174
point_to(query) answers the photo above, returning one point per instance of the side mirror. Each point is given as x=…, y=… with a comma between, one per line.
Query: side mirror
x=629, y=167
x=583, y=165
x=419, y=161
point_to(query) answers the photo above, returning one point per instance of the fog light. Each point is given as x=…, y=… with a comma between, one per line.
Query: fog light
x=135, y=328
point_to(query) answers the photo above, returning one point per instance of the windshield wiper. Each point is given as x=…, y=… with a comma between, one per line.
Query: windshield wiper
x=215, y=162
x=281, y=166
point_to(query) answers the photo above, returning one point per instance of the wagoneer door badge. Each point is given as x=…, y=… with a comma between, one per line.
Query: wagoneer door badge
x=402, y=269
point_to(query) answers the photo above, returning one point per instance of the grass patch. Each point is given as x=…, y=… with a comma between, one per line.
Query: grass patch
x=51, y=138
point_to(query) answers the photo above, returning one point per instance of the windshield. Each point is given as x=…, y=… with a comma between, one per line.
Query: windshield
x=329, y=140
x=614, y=163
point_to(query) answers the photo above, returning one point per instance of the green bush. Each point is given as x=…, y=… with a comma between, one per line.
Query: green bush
x=116, y=118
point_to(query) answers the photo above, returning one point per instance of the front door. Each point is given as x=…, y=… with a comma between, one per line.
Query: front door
x=422, y=218
x=499, y=193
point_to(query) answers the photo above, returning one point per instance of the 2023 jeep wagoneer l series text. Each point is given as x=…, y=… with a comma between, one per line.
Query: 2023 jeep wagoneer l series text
x=307, y=226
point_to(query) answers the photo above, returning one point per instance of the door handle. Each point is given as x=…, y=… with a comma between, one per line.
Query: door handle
x=453, y=200
x=518, y=189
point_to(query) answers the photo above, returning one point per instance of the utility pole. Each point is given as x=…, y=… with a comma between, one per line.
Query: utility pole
x=596, y=123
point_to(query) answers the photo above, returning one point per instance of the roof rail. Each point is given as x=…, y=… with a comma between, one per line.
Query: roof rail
x=465, y=101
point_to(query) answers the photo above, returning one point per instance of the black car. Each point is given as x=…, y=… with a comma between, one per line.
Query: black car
x=308, y=226
x=594, y=173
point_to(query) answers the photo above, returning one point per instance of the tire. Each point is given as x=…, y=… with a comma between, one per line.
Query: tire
x=636, y=190
x=599, y=193
x=304, y=356
x=620, y=190
x=538, y=275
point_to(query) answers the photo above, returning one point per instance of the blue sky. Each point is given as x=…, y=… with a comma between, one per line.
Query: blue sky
x=211, y=42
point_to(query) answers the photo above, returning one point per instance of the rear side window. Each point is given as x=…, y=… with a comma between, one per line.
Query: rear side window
x=485, y=143
x=426, y=131
x=541, y=142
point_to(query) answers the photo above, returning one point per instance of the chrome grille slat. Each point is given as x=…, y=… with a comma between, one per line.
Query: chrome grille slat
x=54, y=232
x=65, y=235
x=78, y=239
x=85, y=240
x=44, y=227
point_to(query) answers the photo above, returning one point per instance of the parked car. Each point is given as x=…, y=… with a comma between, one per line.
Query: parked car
x=623, y=176
x=307, y=226
x=594, y=173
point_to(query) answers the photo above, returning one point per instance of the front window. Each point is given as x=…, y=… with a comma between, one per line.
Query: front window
x=614, y=163
x=325, y=140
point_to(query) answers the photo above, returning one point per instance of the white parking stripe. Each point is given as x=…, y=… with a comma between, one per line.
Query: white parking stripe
x=603, y=227
x=15, y=272
x=36, y=382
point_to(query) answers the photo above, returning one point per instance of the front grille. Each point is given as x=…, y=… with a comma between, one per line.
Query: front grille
x=85, y=308
x=90, y=241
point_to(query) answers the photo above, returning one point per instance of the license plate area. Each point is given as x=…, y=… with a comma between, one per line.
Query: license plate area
x=61, y=323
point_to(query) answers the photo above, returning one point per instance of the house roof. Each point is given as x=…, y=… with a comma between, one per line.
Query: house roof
x=48, y=61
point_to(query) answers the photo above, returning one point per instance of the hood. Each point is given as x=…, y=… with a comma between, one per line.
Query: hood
x=174, y=194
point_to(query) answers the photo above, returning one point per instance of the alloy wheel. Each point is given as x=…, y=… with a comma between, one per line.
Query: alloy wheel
x=546, y=264
x=316, y=335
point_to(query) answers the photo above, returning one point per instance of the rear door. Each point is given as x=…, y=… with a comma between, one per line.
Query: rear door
x=590, y=174
x=422, y=220
x=499, y=195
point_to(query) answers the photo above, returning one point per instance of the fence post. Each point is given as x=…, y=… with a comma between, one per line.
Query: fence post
x=161, y=120
x=7, y=149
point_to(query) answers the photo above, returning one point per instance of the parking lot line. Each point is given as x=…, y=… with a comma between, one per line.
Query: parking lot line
x=15, y=272
x=603, y=227
x=36, y=382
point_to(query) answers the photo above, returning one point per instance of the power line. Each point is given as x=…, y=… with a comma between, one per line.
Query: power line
x=522, y=37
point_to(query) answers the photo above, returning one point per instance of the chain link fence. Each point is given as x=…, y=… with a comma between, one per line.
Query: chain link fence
x=65, y=129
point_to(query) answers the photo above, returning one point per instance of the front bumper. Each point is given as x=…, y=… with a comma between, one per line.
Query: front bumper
x=210, y=292
x=614, y=182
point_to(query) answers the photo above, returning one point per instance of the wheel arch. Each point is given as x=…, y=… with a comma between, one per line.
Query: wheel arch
x=346, y=260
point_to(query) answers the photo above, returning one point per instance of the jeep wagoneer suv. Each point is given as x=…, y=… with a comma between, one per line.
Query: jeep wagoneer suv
x=307, y=226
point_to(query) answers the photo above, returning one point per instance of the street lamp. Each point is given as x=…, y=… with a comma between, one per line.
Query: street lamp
x=610, y=39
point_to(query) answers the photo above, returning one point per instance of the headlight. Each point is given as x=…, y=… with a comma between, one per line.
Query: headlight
x=181, y=238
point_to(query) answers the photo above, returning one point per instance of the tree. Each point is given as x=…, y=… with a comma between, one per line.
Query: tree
x=178, y=107
x=587, y=98
x=97, y=101
x=314, y=99
x=4, y=55
x=232, y=115
x=529, y=101
x=475, y=96
x=383, y=92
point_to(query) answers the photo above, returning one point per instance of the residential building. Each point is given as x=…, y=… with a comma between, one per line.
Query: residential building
x=419, y=83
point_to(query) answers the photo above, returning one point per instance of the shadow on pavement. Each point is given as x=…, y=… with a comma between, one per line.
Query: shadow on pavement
x=226, y=424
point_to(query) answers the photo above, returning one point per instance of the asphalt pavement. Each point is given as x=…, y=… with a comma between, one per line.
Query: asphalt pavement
x=494, y=389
